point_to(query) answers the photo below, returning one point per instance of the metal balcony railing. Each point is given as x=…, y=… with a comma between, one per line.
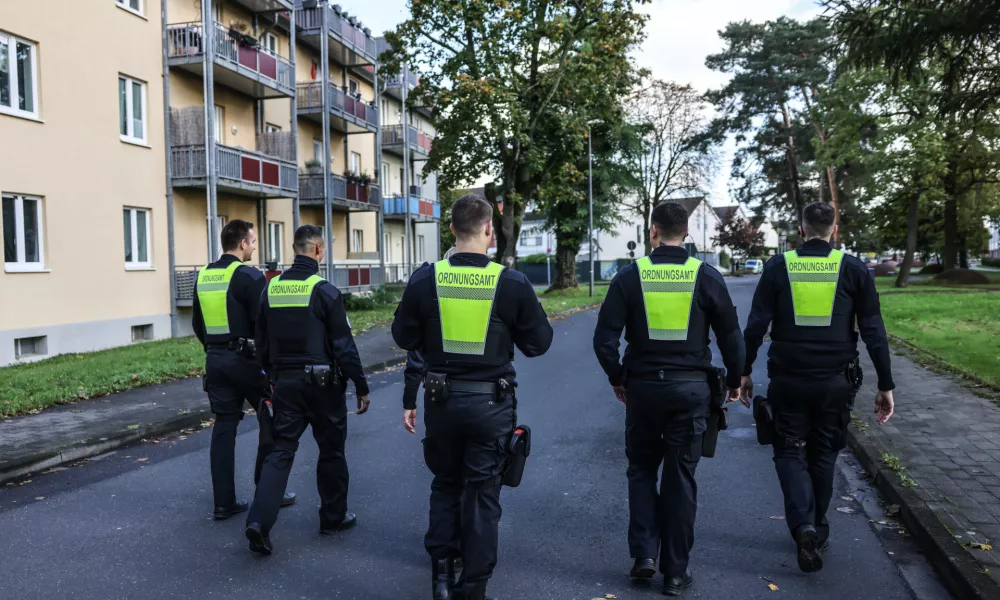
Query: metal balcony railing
x=397, y=205
x=392, y=135
x=396, y=81
x=311, y=188
x=244, y=168
x=346, y=31
x=309, y=97
x=186, y=40
x=347, y=277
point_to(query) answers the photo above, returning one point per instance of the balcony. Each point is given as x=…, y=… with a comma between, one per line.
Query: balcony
x=243, y=67
x=240, y=171
x=350, y=43
x=348, y=114
x=393, y=84
x=419, y=142
x=352, y=277
x=420, y=209
x=351, y=195
x=265, y=6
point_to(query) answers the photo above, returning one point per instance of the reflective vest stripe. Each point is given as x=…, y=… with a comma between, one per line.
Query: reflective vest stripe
x=465, y=301
x=213, y=289
x=813, y=281
x=291, y=294
x=667, y=295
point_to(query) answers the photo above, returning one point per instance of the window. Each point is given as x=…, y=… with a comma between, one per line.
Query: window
x=142, y=333
x=388, y=248
x=385, y=176
x=135, y=222
x=22, y=233
x=218, y=11
x=18, y=77
x=132, y=110
x=270, y=43
x=359, y=241
x=318, y=150
x=384, y=110
x=274, y=238
x=271, y=128
x=131, y=5
x=355, y=163
x=420, y=249
x=219, y=123
x=353, y=86
x=31, y=346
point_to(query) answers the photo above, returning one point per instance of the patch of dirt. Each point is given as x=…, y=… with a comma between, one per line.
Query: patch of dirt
x=934, y=269
x=963, y=277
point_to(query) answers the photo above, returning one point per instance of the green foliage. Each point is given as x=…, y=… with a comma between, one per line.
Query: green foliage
x=724, y=259
x=447, y=198
x=382, y=296
x=991, y=262
x=533, y=259
x=743, y=237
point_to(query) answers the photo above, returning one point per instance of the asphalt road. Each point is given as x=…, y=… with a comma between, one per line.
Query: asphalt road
x=136, y=523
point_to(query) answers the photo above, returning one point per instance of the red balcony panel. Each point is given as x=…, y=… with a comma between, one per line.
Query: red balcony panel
x=268, y=65
x=361, y=110
x=352, y=191
x=250, y=168
x=353, y=277
x=366, y=276
x=269, y=173
x=248, y=58
x=362, y=193
x=349, y=105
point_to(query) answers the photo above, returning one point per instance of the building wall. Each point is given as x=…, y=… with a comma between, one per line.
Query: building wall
x=86, y=184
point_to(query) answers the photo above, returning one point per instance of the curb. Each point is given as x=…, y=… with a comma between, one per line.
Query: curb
x=959, y=570
x=56, y=457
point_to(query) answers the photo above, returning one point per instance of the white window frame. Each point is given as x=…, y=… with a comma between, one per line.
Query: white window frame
x=136, y=264
x=318, y=150
x=127, y=5
x=274, y=250
x=385, y=176
x=271, y=128
x=130, y=137
x=358, y=240
x=219, y=124
x=355, y=163
x=12, y=42
x=388, y=247
x=354, y=87
x=20, y=265
x=420, y=249
x=269, y=43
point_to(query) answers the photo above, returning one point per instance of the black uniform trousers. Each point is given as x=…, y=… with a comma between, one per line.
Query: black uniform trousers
x=664, y=423
x=298, y=403
x=231, y=379
x=811, y=414
x=466, y=450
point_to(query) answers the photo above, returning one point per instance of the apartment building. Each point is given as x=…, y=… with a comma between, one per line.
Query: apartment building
x=82, y=180
x=262, y=110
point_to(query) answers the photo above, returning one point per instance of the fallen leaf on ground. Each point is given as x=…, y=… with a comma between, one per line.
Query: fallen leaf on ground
x=183, y=437
x=777, y=518
x=142, y=460
x=980, y=546
x=39, y=497
x=845, y=509
x=610, y=596
x=772, y=587
x=25, y=482
x=892, y=510
x=847, y=498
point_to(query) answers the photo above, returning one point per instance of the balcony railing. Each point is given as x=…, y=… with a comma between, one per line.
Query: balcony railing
x=349, y=33
x=311, y=188
x=396, y=81
x=309, y=97
x=347, y=277
x=186, y=40
x=392, y=135
x=397, y=205
x=247, y=169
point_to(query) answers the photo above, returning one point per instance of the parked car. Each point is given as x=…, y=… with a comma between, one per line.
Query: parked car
x=754, y=265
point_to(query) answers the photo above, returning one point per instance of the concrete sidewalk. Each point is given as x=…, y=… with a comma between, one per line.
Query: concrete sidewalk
x=947, y=439
x=72, y=432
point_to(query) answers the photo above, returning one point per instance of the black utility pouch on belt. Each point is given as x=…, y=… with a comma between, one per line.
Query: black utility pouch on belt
x=518, y=450
x=437, y=387
x=718, y=415
x=320, y=375
x=763, y=415
x=246, y=348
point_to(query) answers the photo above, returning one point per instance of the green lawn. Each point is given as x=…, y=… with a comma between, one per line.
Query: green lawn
x=559, y=300
x=885, y=284
x=961, y=330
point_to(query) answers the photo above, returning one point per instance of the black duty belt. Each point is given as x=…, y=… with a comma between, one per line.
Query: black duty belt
x=472, y=387
x=291, y=373
x=671, y=375
x=233, y=345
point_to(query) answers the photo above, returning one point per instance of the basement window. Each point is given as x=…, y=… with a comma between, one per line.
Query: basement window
x=31, y=347
x=142, y=333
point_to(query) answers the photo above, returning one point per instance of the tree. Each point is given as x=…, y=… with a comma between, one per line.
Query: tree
x=676, y=155
x=501, y=75
x=741, y=236
x=447, y=199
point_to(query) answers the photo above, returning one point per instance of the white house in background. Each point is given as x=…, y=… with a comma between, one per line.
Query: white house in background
x=994, y=246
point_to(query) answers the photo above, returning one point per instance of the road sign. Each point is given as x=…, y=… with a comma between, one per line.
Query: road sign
x=631, y=254
x=631, y=245
x=548, y=250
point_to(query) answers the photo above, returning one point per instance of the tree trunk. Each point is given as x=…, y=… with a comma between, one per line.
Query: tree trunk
x=903, y=279
x=645, y=229
x=793, y=167
x=831, y=178
x=963, y=251
x=566, y=251
x=950, y=232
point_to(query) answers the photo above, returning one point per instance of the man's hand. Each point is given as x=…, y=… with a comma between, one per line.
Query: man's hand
x=746, y=389
x=619, y=392
x=734, y=395
x=410, y=420
x=363, y=403
x=884, y=406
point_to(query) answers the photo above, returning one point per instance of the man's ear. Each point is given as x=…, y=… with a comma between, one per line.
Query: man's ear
x=489, y=228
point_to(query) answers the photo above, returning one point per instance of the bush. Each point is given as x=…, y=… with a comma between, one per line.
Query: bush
x=933, y=269
x=724, y=259
x=384, y=295
x=991, y=262
x=883, y=269
x=963, y=277
x=360, y=301
x=533, y=259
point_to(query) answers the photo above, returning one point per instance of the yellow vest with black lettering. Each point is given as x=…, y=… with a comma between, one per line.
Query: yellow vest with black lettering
x=812, y=311
x=213, y=292
x=467, y=333
x=668, y=300
x=295, y=335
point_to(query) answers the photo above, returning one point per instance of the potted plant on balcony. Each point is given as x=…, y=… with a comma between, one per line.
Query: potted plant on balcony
x=314, y=167
x=238, y=31
x=364, y=179
x=350, y=176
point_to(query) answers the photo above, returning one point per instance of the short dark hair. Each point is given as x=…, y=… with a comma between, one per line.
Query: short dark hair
x=670, y=219
x=818, y=219
x=469, y=214
x=306, y=237
x=233, y=233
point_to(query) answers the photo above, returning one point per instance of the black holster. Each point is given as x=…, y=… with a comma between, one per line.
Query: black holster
x=718, y=415
x=246, y=347
x=763, y=415
x=321, y=375
x=437, y=386
x=856, y=377
x=518, y=451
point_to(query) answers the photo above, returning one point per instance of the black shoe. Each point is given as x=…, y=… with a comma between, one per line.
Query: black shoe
x=224, y=512
x=350, y=520
x=675, y=586
x=260, y=542
x=288, y=500
x=644, y=568
x=807, y=541
x=474, y=591
x=442, y=578
x=824, y=545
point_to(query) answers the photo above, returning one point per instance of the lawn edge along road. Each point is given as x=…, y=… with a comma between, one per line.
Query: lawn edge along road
x=61, y=454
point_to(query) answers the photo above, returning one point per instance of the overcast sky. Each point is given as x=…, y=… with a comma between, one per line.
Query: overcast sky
x=680, y=34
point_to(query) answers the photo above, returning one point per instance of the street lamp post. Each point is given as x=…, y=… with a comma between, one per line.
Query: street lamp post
x=590, y=203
